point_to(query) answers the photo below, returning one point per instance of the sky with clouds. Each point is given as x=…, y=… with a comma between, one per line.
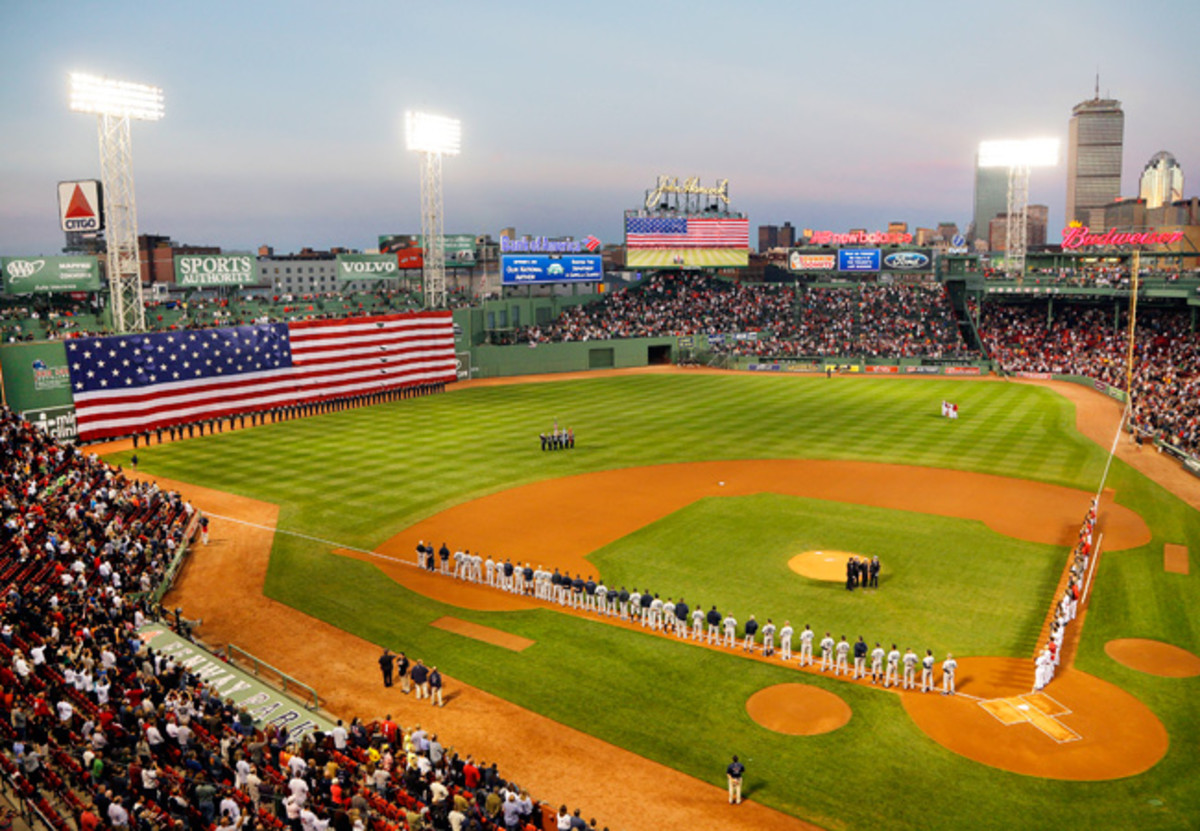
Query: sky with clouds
x=284, y=120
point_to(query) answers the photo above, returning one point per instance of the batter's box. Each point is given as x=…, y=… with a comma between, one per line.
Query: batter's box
x=1037, y=709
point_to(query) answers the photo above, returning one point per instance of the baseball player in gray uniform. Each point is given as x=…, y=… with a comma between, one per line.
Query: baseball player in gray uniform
x=927, y=671
x=876, y=663
x=843, y=650
x=806, y=645
x=785, y=641
x=730, y=623
x=949, y=666
x=910, y=669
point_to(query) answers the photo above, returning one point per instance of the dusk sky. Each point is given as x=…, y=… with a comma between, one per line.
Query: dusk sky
x=284, y=119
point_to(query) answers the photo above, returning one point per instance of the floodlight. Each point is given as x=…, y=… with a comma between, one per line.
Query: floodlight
x=427, y=133
x=122, y=99
x=1019, y=153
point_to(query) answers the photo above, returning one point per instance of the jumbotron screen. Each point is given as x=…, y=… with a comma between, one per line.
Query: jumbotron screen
x=686, y=242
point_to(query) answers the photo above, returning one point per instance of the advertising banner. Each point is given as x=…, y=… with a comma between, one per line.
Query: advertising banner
x=962, y=370
x=764, y=367
x=881, y=370
x=459, y=249
x=859, y=259
x=216, y=270
x=58, y=422
x=685, y=342
x=36, y=376
x=352, y=267
x=687, y=258
x=30, y=275
x=798, y=261
x=1036, y=376
x=81, y=206
x=265, y=703
x=921, y=260
x=518, y=270
x=923, y=370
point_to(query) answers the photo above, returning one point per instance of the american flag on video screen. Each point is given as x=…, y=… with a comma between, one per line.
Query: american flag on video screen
x=128, y=383
x=686, y=232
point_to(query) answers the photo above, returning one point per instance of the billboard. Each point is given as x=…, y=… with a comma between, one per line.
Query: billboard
x=30, y=275
x=81, y=206
x=367, y=267
x=859, y=259
x=687, y=258
x=916, y=260
x=459, y=249
x=521, y=269
x=799, y=261
x=216, y=269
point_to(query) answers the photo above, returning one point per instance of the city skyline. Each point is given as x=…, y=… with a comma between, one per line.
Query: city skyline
x=284, y=124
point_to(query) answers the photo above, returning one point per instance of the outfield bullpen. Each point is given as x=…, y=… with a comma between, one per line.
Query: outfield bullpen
x=359, y=478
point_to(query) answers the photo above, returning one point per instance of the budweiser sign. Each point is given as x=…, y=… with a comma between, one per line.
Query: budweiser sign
x=1082, y=237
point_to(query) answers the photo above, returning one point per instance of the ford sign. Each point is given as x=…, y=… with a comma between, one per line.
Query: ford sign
x=906, y=260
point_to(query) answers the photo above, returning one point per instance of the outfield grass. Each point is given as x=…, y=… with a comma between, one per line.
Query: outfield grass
x=358, y=477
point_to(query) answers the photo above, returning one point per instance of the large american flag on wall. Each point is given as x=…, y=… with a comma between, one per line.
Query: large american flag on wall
x=686, y=232
x=124, y=384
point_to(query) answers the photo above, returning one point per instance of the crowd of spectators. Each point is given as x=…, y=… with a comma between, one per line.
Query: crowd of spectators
x=62, y=317
x=98, y=731
x=1092, y=341
x=676, y=305
x=873, y=320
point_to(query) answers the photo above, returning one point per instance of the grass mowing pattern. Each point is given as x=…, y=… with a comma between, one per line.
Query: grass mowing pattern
x=733, y=551
x=686, y=707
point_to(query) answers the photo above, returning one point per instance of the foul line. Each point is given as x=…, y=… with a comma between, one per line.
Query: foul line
x=310, y=538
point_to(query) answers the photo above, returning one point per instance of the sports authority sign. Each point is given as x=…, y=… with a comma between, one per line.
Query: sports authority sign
x=80, y=206
x=352, y=267
x=216, y=269
x=29, y=275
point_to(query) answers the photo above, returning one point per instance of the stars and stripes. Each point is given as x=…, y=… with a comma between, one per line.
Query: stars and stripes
x=686, y=232
x=128, y=383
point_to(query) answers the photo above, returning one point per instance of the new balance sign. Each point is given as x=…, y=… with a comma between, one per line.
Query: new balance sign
x=80, y=207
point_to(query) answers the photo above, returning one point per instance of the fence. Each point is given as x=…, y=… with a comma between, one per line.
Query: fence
x=274, y=676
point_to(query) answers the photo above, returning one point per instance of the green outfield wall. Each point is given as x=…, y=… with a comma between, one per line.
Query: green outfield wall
x=496, y=361
x=38, y=385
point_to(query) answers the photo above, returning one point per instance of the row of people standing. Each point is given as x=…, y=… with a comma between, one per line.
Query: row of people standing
x=285, y=413
x=677, y=617
x=861, y=572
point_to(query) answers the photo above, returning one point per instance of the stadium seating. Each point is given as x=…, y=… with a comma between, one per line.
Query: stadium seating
x=91, y=719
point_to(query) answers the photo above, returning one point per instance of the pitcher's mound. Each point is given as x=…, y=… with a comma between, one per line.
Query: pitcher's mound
x=822, y=565
x=1153, y=657
x=798, y=710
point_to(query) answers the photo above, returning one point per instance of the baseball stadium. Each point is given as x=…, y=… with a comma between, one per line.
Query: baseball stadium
x=710, y=441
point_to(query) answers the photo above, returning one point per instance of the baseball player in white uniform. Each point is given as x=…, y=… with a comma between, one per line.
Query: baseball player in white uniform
x=697, y=622
x=892, y=676
x=910, y=669
x=785, y=641
x=730, y=624
x=948, y=668
x=806, y=645
x=842, y=667
x=876, y=663
x=826, y=653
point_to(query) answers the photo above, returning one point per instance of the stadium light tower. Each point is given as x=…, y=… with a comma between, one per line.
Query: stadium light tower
x=1019, y=156
x=433, y=136
x=115, y=104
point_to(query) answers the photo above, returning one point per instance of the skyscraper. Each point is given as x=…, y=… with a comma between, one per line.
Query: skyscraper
x=1097, y=136
x=991, y=199
x=1162, y=180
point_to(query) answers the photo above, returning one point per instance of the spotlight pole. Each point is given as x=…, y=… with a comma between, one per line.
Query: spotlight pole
x=115, y=103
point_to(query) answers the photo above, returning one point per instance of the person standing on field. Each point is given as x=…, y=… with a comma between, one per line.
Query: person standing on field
x=927, y=671
x=734, y=774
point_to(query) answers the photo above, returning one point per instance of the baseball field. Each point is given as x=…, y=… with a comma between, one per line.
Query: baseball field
x=710, y=487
